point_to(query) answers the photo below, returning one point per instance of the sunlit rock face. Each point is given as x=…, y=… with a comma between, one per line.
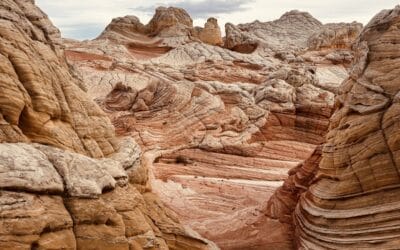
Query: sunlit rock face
x=211, y=33
x=353, y=202
x=220, y=127
x=66, y=180
x=41, y=101
x=283, y=135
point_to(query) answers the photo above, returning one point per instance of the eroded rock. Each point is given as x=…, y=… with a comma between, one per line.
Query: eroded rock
x=63, y=171
x=357, y=182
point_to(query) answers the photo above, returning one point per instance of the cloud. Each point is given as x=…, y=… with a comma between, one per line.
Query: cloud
x=82, y=31
x=86, y=19
x=203, y=8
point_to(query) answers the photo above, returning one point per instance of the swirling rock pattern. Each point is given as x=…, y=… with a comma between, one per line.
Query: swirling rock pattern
x=66, y=180
x=220, y=128
x=354, y=202
x=275, y=36
x=40, y=100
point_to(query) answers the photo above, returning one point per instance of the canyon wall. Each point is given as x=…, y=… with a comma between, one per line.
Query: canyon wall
x=282, y=135
x=353, y=202
x=66, y=180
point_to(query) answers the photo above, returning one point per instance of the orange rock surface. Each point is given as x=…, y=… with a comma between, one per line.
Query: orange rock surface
x=66, y=180
x=220, y=129
x=282, y=135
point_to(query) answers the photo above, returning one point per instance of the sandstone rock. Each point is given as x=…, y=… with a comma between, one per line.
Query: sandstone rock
x=66, y=183
x=169, y=27
x=339, y=36
x=34, y=221
x=237, y=41
x=170, y=22
x=84, y=176
x=352, y=203
x=333, y=43
x=128, y=154
x=41, y=101
x=97, y=224
x=282, y=204
x=23, y=167
x=166, y=22
x=211, y=33
x=239, y=121
x=289, y=33
x=124, y=219
x=126, y=26
x=219, y=129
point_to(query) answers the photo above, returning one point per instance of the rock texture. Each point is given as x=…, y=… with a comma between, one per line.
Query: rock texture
x=278, y=35
x=236, y=136
x=173, y=26
x=66, y=180
x=220, y=127
x=353, y=202
x=40, y=100
x=211, y=33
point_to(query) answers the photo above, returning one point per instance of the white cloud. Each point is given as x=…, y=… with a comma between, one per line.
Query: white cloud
x=86, y=19
x=204, y=8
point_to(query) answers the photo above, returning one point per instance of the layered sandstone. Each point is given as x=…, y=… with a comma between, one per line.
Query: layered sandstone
x=238, y=141
x=66, y=180
x=40, y=100
x=172, y=26
x=220, y=128
x=353, y=202
x=289, y=33
x=333, y=44
x=211, y=33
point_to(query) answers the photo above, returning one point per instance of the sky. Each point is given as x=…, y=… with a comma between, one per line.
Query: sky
x=86, y=19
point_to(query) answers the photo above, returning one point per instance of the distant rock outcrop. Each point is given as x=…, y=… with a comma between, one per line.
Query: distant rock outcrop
x=170, y=26
x=295, y=37
x=333, y=43
x=211, y=33
x=127, y=26
x=289, y=33
x=170, y=22
x=337, y=36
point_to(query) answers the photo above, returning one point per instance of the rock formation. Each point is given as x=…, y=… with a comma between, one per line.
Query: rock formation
x=66, y=180
x=332, y=44
x=220, y=127
x=211, y=33
x=353, y=202
x=40, y=100
x=172, y=25
x=170, y=22
x=134, y=139
x=289, y=33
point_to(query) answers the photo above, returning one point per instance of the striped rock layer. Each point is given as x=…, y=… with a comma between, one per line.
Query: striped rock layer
x=353, y=203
